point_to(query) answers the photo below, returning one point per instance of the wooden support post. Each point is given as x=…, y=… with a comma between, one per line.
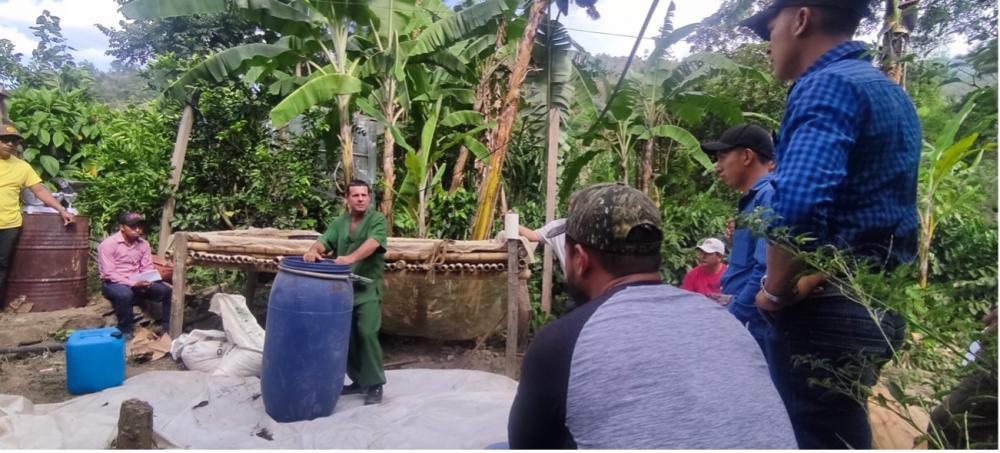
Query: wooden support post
x=552, y=160
x=513, y=294
x=177, y=167
x=180, y=285
x=135, y=426
x=250, y=286
x=512, y=307
x=3, y=104
x=523, y=310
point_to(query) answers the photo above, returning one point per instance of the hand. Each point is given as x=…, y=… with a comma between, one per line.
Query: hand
x=142, y=284
x=722, y=299
x=346, y=259
x=312, y=256
x=67, y=217
x=991, y=321
x=803, y=288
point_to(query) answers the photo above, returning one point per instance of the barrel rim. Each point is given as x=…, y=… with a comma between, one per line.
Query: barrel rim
x=326, y=267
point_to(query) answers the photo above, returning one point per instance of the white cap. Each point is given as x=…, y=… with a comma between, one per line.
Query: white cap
x=712, y=245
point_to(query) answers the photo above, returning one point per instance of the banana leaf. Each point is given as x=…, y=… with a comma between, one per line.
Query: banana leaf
x=315, y=92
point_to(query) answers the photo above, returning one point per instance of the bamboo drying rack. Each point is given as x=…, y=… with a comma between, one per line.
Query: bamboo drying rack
x=260, y=250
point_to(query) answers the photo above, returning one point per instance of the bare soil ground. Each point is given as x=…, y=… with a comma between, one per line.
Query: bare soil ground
x=41, y=377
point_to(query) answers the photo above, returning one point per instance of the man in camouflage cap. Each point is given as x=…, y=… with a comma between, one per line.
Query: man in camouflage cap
x=637, y=355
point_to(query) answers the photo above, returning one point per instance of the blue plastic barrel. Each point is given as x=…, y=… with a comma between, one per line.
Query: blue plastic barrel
x=95, y=360
x=308, y=329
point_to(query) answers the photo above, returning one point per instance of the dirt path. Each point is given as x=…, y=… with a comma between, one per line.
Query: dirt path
x=42, y=377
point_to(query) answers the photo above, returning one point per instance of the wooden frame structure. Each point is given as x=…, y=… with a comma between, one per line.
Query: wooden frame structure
x=511, y=258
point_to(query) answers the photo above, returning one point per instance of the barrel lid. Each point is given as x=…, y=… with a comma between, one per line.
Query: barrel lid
x=319, y=267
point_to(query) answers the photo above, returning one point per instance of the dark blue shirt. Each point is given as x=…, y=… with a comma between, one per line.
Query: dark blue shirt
x=847, y=158
x=748, y=255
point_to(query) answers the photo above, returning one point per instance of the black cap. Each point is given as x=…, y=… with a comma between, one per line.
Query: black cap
x=131, y=219
x=746, y=135
x=758, y=22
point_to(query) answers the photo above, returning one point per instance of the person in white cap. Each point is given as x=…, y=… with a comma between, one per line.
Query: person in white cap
x=704, y=278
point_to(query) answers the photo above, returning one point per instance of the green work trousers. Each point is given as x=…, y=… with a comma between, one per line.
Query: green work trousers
x=364, y=354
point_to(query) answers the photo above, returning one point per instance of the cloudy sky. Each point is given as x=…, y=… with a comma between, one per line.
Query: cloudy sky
x=618, y=17
x=78, y=19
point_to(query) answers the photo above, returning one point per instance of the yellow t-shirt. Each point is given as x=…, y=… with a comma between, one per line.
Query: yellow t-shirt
x=14, y=174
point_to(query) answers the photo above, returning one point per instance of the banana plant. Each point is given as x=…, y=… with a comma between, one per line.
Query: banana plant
x=423, y=174
x=665, y=98
x=489, y=190
x=444, y=38
x=945, y=160
x=315, y=34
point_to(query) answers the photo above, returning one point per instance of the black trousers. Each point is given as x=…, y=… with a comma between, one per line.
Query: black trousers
x=8, y=238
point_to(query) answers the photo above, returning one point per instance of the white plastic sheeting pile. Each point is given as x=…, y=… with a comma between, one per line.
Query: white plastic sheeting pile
x=422, y=409
x=237, y=351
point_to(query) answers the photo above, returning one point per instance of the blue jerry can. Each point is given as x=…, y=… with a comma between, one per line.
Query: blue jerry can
x=95, y=360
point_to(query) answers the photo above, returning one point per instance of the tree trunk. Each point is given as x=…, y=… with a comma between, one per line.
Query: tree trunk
x=483, y=220
x=388, y=153
x=623, y=154
x=346, y=138
x=177, y=169
x=551, y=170
x=135, y=425
x=3, y=104
x=647, y=166
x=924, y=246
x=898, y=22
x=422, y=207
x=458, y=173
x=481, y=105
x=390, y=178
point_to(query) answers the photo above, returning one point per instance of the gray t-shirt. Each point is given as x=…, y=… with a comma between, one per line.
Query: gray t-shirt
x=557, y=244
x=644, y=366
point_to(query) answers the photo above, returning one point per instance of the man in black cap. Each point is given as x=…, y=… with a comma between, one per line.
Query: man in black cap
x=639, y=364
x=742, y=156
x=125, y=262
x=847, y=159
x=16, y=174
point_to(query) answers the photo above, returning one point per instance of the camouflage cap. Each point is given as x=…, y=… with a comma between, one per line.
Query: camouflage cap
x=613, y=218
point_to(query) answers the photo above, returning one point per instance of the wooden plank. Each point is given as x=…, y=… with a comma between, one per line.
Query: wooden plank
x=552, y=162
x=177, y=166
x=250, y=285
x=512, y=308
x=3, y=103
x=180, y=285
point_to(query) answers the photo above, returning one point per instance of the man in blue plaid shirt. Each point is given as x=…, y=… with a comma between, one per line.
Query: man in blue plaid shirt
x=847, y=158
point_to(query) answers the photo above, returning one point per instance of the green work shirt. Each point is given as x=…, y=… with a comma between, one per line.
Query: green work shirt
x=339, y=239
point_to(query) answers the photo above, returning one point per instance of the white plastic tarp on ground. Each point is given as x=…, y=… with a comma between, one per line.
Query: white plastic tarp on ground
x=421, y=409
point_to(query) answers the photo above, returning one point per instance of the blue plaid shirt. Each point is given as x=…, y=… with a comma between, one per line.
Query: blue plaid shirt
x=847, y=158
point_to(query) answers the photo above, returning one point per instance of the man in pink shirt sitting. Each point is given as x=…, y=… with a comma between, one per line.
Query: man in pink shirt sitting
x=704, y=278
x=121, y=259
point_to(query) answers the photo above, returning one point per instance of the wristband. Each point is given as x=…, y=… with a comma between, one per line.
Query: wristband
x=776, y=300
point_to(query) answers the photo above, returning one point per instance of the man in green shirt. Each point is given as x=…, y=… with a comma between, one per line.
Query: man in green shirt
x=358, y=238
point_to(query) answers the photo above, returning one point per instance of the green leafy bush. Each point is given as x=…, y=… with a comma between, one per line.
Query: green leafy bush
x=685, y=223
x=60, y=128
x=128, y=169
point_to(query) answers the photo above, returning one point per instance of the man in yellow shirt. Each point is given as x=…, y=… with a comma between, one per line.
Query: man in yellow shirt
x=14, y=175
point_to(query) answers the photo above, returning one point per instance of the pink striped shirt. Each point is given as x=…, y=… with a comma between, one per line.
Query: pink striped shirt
x=117, y=260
